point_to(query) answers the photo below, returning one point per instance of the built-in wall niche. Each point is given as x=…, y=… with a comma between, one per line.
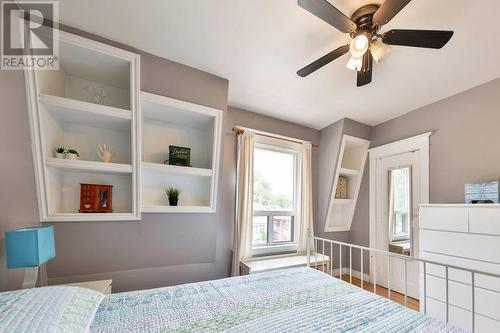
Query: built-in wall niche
x=69, y=126
x=194, y=191
x=91, y=100
x=169, y=122
x=65, y=188
x=88, y=75
x=351, y=164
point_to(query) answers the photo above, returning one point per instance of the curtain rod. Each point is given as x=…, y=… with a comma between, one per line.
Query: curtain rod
x=240, y=130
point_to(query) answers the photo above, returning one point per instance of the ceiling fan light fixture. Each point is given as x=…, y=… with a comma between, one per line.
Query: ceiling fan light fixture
x=355, y=63
x=379, y=50
x=359, y=45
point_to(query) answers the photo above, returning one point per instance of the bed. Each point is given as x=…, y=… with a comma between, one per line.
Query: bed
x=291, y=300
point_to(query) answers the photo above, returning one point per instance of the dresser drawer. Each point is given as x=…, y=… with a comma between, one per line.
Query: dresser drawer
x=485, y=220
x=461, y=318
x=460, y=295
x=481, y=281
x=471, y=246
x=444, y=218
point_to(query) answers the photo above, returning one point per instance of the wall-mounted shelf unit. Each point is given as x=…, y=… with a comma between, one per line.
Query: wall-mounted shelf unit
x=165, y=122
x=91, y=99
x=351, y=164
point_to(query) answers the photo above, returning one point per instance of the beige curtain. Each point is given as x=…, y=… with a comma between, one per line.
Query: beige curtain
x=242, y=244
x=305, y=200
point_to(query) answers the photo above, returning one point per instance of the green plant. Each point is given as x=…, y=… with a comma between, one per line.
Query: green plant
x=60, y=150
x=172, y=193
x=73, y=151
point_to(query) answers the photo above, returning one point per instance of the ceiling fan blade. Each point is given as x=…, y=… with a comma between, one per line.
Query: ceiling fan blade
x=432, y=39
x=324, y=60
x=388, y=10
x=365, y=74
x=328, y=13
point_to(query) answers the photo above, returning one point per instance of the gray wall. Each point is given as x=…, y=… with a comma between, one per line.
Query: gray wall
x=162, y=249
x=18, y=204
x=462, y=149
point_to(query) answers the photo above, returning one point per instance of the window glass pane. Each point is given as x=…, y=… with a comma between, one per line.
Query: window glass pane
x=259, y=230
x=274, y=180
x=399, y=181
x=282, y=229
x=401, y=201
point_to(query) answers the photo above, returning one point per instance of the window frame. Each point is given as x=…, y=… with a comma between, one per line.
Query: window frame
x=295, y=149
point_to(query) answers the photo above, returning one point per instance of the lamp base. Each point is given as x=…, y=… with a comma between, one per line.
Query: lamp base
x=30, y=277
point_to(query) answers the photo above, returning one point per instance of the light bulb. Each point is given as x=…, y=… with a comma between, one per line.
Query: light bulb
x=355, y=63
x=359, y=46
x=379, y=50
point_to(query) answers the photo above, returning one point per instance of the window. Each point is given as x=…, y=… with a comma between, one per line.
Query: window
x=400, y=180
x=275, y=196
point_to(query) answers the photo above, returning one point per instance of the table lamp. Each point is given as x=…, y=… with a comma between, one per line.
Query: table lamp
x=29, y=248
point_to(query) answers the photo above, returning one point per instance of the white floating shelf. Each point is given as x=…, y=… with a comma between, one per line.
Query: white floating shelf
x=175, y=169
x=84, y=113
x=342, y=201
x=176, y=209
x=79, y=165
x=171, y=110
x=78, y=217
x=351, y=163
x=348, y=172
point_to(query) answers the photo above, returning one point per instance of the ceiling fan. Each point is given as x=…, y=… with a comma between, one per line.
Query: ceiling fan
x=367, y=44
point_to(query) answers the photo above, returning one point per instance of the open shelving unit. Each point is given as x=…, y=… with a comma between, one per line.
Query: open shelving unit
x=351, y=164
x=64, y=112
x=167, y=121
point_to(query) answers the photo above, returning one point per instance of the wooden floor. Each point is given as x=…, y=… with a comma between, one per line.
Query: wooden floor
x=381, y=291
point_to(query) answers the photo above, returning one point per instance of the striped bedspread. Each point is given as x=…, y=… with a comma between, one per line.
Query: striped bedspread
x=292, y=300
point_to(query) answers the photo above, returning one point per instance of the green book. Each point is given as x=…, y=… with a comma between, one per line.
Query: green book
x=179, y=156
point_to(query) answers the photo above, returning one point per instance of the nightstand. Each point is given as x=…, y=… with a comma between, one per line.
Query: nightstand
x=102, y=286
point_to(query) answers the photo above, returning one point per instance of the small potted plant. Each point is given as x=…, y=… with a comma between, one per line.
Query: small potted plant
x=72, y=154
x=173, y=196
x=60, y=152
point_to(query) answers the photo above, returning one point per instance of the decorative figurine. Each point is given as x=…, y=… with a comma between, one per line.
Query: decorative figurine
x=105, y=153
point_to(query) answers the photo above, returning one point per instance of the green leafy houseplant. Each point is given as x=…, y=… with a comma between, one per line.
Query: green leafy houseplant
x=60, y=150
x=173, y=196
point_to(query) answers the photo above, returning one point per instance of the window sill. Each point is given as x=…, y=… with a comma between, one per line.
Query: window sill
x=274, y=249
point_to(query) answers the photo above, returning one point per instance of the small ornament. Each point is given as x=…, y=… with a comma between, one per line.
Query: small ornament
x=96, y=198
x=60, y=152
x=105, y=153
x=96, y=94
x=72, y=154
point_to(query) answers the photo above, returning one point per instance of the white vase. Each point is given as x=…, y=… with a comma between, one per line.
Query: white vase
x=60, y=155
x=70, y=156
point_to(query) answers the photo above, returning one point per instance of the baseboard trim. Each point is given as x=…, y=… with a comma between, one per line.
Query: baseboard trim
x=355, y=273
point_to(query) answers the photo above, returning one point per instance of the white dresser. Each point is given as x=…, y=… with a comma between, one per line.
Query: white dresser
x=465, y=236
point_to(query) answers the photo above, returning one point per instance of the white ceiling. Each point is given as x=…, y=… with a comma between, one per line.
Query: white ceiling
x=258, y=45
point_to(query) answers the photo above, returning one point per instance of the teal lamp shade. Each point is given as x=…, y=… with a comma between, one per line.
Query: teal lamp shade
x=30, y=247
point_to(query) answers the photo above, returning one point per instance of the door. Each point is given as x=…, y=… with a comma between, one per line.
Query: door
x=397, y=200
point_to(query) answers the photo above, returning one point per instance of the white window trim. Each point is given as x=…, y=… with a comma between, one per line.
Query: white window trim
x=417, y=143
x=279, y=145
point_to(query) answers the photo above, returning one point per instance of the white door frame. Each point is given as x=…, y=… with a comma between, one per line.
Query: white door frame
x=417, y=143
